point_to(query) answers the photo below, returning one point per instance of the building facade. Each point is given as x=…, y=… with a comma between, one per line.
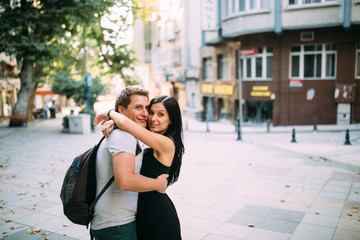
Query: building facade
x=9, y=84
x=298, y=61
x=167, y=47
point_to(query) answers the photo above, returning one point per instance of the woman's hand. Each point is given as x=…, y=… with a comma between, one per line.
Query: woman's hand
x=101, y=118
x=107, y=127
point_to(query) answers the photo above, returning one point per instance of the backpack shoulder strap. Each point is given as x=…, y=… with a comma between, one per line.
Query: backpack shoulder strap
x=107, y=185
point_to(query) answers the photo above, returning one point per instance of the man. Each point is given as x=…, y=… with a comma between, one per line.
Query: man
x=114, y=216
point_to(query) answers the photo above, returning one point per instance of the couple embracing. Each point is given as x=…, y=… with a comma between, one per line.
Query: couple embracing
x=136, y=206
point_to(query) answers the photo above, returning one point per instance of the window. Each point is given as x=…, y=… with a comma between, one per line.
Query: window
x=258, y=67
x=207, y=64
x=224, y=66
x=253, y=5
x=307, y=2
x=313, y=61
x=225, y=7
x=357, y=60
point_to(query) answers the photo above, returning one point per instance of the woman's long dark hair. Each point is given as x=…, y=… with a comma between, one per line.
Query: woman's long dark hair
x=174, y=132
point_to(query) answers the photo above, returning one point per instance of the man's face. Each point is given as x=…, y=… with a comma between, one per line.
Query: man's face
x=137, y=110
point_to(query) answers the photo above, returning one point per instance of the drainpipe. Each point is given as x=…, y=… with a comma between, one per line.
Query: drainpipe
x=277, y=8
x=347, y=14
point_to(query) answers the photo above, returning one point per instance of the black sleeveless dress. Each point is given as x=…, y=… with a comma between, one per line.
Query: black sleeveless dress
x=156, y=217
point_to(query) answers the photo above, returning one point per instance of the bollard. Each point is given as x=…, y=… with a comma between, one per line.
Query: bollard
x=347, y=138
x=207, y=126
x=315, y=125
x=293, y=140
x=268, y=125
x=238, y=130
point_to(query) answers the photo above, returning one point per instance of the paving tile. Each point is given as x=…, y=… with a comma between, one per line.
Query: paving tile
x=212, y=236
x=203, y=225
x=268, y=235
x=319, y=219
x=16, y=213
x=74, y=231
x=349, y=224
x=191, y=210
x=54, y=224
x=292, y=216
x=326, y=211
x=341, y=234
x=218, y=215
x=354, y=197
x=278, y=225
x=24, y=235
x=34, y=219
x=191, y=234
x=329, y=202
x=333, y=195
x=234, y=231
x=312, y=232
x=245, y=220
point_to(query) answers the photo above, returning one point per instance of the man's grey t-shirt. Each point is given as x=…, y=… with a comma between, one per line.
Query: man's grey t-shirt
x=115, y=207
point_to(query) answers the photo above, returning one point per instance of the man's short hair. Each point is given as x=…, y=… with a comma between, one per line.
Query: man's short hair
x=124, y=97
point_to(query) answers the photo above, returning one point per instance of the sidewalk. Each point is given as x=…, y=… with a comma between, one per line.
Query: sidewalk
x=263, y=187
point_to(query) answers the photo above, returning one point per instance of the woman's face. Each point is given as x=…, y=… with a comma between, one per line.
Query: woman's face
x=159, y=119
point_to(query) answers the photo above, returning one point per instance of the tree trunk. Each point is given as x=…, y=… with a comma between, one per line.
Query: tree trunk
x=26, y=89
x=30, y=116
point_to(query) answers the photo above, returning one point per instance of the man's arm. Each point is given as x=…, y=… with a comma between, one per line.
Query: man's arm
x=127, y=180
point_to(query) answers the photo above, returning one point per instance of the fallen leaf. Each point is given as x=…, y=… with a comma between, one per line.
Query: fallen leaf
x=317, y=213
x=8, y=220
x=15, y=227
x=33, y=231
x=355, y=211
x=5, y=232
x=282, y=201
x=356, y=192
x=65, y=225
x=46, y=238
x=349, y=214
x=287, y=186
x=251, y=225
x=355, y=207
x=46, y=233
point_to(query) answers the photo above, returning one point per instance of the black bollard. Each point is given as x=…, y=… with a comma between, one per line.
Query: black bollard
x=347, y=138
x=315, y=125
x=293, y=140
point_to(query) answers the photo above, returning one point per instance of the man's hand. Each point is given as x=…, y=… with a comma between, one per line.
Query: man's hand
x=162, y=183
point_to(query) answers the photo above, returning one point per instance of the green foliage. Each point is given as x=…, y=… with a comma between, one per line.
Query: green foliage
x=28, y=29
x=65, y=121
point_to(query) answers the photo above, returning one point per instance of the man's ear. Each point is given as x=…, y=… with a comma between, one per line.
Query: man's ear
x=121, y=109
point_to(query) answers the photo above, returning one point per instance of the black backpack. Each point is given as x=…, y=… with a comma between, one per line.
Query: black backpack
x=78, y=192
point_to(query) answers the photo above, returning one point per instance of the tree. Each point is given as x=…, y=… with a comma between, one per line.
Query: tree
x=116, y=55
x=28, y=28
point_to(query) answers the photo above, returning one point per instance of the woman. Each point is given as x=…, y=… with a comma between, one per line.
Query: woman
x=156, y=215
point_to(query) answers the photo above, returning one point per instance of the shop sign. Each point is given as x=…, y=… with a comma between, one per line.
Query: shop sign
x=248, y=52
x=224, y=89
x=295, y=83
x=260, y=91
x=207, y=88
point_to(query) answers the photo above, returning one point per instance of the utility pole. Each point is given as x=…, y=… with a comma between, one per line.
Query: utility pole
x=85, y=73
